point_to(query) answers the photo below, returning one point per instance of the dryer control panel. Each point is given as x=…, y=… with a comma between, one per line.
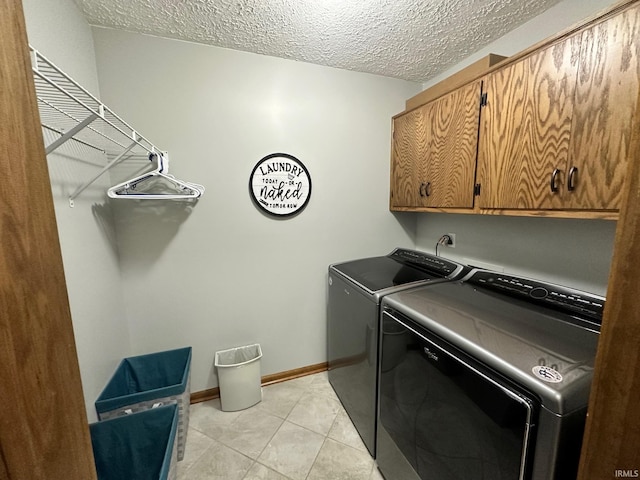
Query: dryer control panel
x=574, y=302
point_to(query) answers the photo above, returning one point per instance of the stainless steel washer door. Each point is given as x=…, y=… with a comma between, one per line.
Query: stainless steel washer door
x=444, y=417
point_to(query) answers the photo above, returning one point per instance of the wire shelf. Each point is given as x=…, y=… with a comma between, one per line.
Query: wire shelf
x=74, y=113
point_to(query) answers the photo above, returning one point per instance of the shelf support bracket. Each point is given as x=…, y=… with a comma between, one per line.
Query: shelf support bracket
x=70, y=133
x=108, y=166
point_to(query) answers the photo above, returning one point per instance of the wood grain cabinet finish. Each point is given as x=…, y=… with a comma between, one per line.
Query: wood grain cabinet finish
x=552, y=136
x=525, y=128
x=409, y=152
x=434, y=152
x=608, y=84
x=555, y=132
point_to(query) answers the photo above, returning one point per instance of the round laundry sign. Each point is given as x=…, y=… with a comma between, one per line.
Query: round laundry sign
x=280, y=185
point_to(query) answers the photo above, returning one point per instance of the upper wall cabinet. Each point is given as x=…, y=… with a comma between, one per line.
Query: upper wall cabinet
x=603, y=112
x=552, y=134
x=557, y=124
x=408, y=154
x=434, y=152
x=525, y=129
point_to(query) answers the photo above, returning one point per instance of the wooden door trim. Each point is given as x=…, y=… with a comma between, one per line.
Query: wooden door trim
x=44, y=432
x=612, y=433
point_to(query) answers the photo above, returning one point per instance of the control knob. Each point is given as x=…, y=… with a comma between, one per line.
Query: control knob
x=539, y=293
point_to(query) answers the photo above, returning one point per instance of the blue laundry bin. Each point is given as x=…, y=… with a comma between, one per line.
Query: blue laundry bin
x=146, y=381
x=140, y=446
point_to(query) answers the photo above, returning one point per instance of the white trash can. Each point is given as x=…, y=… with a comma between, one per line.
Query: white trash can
x=239, y=377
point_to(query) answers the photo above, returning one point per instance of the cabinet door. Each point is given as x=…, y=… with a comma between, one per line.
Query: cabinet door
x=408, y=159
x=525, y=129
x=608, y=83
x=434, y=152
x=453, y=144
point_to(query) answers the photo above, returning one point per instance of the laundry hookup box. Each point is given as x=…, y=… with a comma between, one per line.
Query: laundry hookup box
x=148, y=381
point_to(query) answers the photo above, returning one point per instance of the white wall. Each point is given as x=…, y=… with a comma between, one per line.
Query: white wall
x=87, y=234
x=221, y=274
x=572, y=252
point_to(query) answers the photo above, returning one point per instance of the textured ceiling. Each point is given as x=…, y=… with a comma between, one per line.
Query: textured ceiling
x=409, y=39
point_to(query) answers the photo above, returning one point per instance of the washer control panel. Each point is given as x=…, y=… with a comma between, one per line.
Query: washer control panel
x=575, y=302
x=425, y=261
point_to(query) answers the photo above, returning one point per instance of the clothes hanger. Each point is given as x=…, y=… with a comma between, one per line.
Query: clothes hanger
x=142, y=187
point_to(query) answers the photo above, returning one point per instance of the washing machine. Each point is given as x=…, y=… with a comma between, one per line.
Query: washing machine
x=356, y=289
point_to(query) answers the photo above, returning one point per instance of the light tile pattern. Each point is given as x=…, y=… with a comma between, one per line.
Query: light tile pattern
x=299, y=431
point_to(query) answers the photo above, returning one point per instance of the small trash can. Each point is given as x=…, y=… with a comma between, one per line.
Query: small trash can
x=142, y=382
x=140, y=446
x=239, y=377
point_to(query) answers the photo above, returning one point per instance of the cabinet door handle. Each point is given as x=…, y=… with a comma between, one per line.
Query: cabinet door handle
x=422, y=189
x=427, y=189
x=554, y=180
x=571, y=181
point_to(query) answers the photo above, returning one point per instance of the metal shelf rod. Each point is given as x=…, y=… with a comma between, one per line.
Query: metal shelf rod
x=59, y=132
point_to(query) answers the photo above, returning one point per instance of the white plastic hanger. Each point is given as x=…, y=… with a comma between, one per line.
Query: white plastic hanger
x=134, y=189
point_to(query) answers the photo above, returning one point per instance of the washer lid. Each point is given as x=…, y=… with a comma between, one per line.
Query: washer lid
x=400, y=267
x=511, y=336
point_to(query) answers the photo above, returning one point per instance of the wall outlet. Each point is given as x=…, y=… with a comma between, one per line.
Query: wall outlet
x=452, y=236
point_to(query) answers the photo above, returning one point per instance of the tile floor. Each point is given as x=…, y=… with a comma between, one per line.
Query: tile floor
x=299, y=431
